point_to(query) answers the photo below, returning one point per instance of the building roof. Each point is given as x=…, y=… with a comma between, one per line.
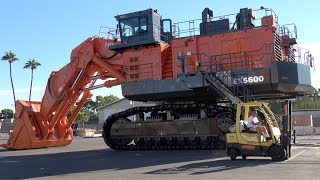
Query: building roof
x=115, y=102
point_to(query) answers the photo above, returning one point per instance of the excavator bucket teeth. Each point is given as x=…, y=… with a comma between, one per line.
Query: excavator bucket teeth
x=32, y=131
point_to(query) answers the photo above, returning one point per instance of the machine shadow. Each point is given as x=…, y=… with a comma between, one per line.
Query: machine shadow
x=212, y=166
x=32, y=166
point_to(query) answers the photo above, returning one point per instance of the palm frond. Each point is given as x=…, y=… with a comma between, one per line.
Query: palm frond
x=31, y=64
x=9, y=56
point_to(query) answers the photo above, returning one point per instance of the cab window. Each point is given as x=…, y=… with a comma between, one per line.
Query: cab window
x=133, y=26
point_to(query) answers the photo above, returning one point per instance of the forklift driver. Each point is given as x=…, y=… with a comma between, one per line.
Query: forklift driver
x=255, y=125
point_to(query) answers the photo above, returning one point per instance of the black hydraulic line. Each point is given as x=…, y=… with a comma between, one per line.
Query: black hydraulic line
x=112, y=56
x=64, y=94
x=237, y=19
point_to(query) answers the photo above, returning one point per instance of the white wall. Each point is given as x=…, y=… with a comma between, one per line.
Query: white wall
x=315, y=116
x=121, y=105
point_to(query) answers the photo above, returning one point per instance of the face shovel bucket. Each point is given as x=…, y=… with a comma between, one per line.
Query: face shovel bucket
x=31, y=130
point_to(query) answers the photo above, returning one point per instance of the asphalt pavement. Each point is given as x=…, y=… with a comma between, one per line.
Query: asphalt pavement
x=90, y=158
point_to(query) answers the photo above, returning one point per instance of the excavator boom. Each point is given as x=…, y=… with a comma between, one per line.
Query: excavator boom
x=48, y=123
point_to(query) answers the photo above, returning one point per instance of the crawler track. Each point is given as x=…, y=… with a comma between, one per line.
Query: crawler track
x=224, y=115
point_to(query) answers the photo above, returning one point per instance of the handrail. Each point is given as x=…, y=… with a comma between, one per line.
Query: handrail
x=113, y=32
x=235, y=54
x=306, y=59
x=289, y=30
x=179, y=32
x=226, y=77
x=256, y=57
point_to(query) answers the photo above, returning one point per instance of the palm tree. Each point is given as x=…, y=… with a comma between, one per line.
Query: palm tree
x=31, y=64
x=10, y=57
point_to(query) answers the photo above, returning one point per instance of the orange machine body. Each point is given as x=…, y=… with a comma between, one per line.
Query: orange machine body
x=146, y=62
x=234, y=50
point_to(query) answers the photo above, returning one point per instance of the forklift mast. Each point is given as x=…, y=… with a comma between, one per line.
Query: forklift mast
x=286, y=134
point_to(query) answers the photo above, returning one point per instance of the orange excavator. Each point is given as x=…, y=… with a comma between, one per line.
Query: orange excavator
x=188, y=70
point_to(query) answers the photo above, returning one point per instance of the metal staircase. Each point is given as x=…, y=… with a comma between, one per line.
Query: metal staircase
x=222, y=81
x=221, y=88
x=167, y=69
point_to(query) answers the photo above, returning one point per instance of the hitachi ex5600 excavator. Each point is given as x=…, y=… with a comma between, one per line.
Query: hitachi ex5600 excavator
x=194, y=71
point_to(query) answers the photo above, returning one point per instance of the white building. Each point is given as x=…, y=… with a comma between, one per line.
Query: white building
x=118, y=106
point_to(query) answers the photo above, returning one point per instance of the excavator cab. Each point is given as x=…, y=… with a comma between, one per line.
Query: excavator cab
x=142, y=28
x=243, y=142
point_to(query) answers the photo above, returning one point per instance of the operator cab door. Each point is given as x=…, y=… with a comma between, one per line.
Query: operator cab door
x=166, y=30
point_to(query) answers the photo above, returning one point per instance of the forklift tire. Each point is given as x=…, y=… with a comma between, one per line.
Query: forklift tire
x=244, y=157
x=277, y=153
x=233, y=153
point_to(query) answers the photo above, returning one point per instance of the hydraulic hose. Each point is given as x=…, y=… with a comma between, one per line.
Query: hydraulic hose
x=115, y=53
x=50, y=91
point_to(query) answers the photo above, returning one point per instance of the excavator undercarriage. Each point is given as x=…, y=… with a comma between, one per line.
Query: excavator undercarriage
x=169, y=127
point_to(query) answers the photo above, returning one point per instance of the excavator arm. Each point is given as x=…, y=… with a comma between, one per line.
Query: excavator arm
x=45, y=123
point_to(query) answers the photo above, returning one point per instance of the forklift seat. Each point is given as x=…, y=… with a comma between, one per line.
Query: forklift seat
x=245, y=128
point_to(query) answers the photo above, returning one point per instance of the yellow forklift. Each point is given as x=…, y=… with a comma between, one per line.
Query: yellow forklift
x=243, y=142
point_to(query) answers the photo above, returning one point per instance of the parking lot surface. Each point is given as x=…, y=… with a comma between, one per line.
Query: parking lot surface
x=90, y=158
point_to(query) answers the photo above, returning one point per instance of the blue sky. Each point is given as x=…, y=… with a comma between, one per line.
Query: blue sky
x=48, y=31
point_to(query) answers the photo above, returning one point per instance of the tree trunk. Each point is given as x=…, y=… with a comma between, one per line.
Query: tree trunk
x=31, y=85
x=14, y=95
